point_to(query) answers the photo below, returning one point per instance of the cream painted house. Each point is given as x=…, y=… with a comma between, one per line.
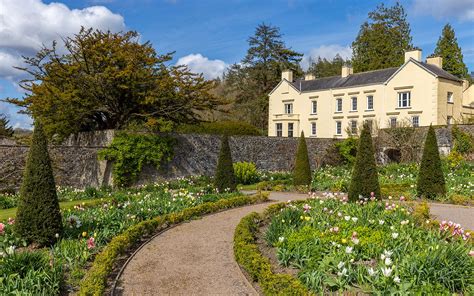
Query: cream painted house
x=417, y=93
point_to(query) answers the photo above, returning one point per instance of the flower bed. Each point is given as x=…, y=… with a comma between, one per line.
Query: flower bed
x=89, y=229
x=371, y=247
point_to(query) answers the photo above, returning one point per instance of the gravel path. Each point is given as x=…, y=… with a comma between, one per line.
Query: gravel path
x=197, y=258
x=194, y=258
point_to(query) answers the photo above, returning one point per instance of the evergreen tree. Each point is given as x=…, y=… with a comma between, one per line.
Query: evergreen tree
x=431, y=181
x=302, y=169
x=38, y=218
x=364, y=174
x=383, y=40
x=250, y=81
x=5, y=129
x=225, y=177
x=325, y=68
x=448, y=48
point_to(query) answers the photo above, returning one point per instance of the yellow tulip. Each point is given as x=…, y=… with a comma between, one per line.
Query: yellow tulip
x=84, y=234
x=344, y=241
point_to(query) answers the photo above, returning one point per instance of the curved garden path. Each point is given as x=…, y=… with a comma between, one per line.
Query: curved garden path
x=197, y=258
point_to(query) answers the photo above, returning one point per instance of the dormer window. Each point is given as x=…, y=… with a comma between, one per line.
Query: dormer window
x=289, y=108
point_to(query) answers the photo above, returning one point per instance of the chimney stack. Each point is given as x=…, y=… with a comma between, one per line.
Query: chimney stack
x=414, y=54
x=287, y=74
x=346, y=71
x=437, y=61
x=309, y=76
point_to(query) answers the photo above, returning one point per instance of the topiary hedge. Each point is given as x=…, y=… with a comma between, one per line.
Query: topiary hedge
x=302, y=170
x=258, y=267
x=95, y=280
x=232, y=128
x=224, y=179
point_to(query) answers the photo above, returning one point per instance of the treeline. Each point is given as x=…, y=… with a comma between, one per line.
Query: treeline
x=110, y=80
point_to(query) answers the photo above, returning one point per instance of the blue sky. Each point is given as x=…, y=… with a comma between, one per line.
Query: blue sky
x=209, y=35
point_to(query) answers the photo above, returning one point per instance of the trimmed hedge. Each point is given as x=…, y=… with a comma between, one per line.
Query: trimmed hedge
x=302, y=169
x=95, y=280
x=231, y=128
x=247, y=254
x=225, y=180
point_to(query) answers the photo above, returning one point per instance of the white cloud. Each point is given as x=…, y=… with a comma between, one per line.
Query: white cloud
x=326, y=51
x=197, y=63
x=462, y=10
x=25, y=25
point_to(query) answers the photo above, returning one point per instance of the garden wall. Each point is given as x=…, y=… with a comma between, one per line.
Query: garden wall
x=76, y=164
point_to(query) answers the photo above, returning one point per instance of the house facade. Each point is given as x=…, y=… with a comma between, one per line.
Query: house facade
x=416, y=93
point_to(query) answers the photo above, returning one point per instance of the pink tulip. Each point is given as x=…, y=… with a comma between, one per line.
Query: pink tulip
x=91, y=243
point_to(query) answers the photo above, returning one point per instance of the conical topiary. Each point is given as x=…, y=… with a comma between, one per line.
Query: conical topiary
x=431, y=181
x=302, y=169
x=38, y=218
x=365, y=181
x=225, y=178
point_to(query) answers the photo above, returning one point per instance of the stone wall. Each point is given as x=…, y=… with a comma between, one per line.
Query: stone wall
x=76, y=164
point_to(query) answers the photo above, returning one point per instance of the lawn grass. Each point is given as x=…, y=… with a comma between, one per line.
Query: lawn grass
x=10, y=213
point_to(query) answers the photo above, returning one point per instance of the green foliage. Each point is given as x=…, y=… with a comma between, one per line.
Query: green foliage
x=247, y=254
x=325, y=68
x=250, y=81
x=231, y=128
x=38, y=219
x=95, y=280
x=463, y=142
x=383, y=40
x=302, y=169
x=364, y=180
x=448, y=48
x=431, y=183
x=224, y=179
x=131, y=151
x=246, y=173
x=105, y=80
x=347, y=149
x=5, y=129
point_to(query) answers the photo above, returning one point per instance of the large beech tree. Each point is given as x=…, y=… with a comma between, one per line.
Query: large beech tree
x=106, y=80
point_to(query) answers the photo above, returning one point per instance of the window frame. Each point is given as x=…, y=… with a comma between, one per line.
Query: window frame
x=354, y=128
x=393, y=122
x=314, y=107
x=338, y=128
x=417, y=121
x=291, y=130
x=401, y=99
x=313, y=129
x=338, y=102
x=354, y=99
x=450, y=97
x=370, y=107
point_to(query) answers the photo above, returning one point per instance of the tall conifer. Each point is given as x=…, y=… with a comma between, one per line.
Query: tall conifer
x=448, y=48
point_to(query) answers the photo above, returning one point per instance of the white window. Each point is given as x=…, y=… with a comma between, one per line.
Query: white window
x=290, y=130
x=354, y=103
x=279, y=129
x=314, y=107
x=354, y=126
x=289, y=108
x=404, y=99
x=370, y=124
x=415, y=121
x=313, y=128
x=450, y=120
x=338, y=128
x=393, y=122
x=338, y=105
x=370, y=102
x=450, y=97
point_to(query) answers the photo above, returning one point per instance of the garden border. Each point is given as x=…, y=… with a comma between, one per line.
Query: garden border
x=95, y=279
x=256, y=266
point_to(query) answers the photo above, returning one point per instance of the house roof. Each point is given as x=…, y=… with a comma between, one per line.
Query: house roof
x=365, y=78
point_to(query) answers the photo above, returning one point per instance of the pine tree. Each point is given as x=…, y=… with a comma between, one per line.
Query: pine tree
x=448, y=48
x=383, y=40
x=325, y=68
x=5, y=129
x=38, y=218
x=302, y=169
x=431, y=181
x=225, y=177
x=364, y=180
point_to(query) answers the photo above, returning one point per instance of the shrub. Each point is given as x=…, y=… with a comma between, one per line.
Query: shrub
x=364, y=174
x=38, y=218
x=463, y=142
x=225, y=177
x=431, y=183
x=347, y=149
x=131, y=151
x=232, y=128
x=302, y=170
x=246, y=173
